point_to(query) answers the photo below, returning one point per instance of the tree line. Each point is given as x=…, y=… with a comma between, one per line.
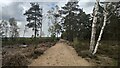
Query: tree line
x=103, y=23
x=9, y=28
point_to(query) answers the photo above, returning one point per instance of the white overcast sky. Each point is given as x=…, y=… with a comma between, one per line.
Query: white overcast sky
x=16, y=8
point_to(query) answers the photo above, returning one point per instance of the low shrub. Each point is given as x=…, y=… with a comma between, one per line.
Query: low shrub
x=109, y=49
x=28, y=41
x=36, y=53
x=81, y=47
x=14, y=60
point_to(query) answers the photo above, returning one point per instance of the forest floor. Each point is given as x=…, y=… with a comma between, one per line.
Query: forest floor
x=60, y=55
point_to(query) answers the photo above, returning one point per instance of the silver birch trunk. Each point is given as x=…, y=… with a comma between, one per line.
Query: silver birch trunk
x=101, y=32
x=93, y=33
x=92, y=42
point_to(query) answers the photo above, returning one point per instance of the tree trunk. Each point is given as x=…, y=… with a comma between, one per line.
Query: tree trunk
x=101, y=32
x=24, y=31
x=92, y=42
x=35, y=26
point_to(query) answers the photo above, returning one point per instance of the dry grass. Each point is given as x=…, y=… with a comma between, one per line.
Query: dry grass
x=17, y=56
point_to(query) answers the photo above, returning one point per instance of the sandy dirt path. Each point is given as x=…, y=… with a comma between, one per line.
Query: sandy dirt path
x=60, y=55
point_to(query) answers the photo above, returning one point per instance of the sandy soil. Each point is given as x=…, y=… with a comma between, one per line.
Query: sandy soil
x=60, y=55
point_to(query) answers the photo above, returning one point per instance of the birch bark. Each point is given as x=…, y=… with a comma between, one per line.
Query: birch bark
x=101, y=33
x=93, y=33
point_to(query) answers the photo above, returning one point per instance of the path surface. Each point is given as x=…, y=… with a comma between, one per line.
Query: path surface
x=60, y=55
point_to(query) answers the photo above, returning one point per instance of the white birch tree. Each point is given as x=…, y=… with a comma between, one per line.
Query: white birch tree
x=109, y=9
x=92, y=42
x=101, y=32
x=4, y=28
x=13, y=28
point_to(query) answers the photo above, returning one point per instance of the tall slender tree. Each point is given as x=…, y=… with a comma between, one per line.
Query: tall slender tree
x=25, y=30
x=34, y=17
x=4, y=28
x=94, y=24
x=109, y=9
x=1, y=30
x=13, y=28
x=54, y=16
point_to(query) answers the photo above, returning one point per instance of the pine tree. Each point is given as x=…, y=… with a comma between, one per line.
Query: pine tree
x=75, y=22
x=69, y=13
x=34, y=17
